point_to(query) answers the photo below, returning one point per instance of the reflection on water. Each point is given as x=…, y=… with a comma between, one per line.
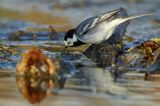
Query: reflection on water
x=33, y=89
x=93, y=87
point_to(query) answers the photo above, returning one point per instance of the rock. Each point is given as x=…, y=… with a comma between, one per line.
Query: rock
x=144, y=51
x=101, y=54
x=156, y=60
x=145, y=56
x=154, y=67
x=35, y=63
x=34, y=90
x=142, y=56
x=7, y=51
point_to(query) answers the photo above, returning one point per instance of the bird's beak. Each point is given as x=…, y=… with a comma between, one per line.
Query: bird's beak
x=66, y=45
x=65, y=48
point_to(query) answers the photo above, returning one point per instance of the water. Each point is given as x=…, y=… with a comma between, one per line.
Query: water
x=99, y=91
x=86, y=84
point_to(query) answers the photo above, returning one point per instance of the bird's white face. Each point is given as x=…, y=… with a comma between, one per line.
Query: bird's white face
x=70, y=41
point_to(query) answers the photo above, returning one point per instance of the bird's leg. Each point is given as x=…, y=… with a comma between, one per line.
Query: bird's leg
x=147, y=76
x=64, y=50
x=114, y=70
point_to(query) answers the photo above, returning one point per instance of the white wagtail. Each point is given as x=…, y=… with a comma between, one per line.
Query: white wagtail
x=97, y=29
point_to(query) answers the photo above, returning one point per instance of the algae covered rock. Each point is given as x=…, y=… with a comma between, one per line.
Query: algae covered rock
x=101, y=54
x=138, y=55
x=6, y=51
x=145, y=56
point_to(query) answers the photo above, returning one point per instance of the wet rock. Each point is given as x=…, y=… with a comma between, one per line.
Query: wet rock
x=132, y=44
x=156, y=64
x=102, y=54
x=156, y=40
x=134, y=59
x=7, y=51
x=16, y=36
x=154, y=67
x=35, y=63
x=49, y=34
x=140, y=56
x=34, y=90
x=144, y=57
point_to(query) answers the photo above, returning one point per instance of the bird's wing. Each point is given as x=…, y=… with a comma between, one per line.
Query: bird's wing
x=90, y=23
x=119, y=21
x=110, y=15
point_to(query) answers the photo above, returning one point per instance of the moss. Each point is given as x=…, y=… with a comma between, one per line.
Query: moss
x=128, y=39
x=157, y=40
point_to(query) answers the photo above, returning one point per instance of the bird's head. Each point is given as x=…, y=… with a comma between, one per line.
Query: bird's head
x=70, y=38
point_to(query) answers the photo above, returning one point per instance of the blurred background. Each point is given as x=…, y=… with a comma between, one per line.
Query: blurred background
x=36, y=15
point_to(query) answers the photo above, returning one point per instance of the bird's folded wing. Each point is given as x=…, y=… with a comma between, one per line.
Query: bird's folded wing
x=90, y=23
x=110, y=14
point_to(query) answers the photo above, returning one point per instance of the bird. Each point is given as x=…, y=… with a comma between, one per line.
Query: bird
x=100, y=28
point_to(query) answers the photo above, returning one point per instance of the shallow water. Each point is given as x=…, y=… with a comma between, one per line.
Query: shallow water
x=86, y=85
x=100, y=90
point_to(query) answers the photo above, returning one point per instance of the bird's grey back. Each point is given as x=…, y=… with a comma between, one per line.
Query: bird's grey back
x=88, y=22
x=120, y=29
x=92, y=22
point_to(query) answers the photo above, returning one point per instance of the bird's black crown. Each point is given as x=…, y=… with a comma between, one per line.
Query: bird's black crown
x=69, y=34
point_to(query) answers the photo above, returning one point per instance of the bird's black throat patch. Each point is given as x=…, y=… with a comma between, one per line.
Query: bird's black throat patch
x=70, y=34
x=78, y=43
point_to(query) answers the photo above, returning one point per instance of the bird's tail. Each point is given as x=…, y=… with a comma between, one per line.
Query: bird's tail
x=119, y=21
x=139, y=15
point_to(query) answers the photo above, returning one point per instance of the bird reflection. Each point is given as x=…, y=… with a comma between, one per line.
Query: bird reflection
x=34, y=89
